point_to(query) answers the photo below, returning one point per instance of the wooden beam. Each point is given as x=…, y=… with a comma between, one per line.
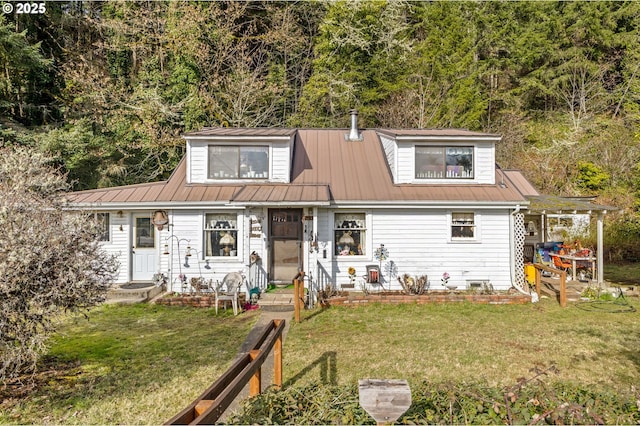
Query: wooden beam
x=277, y=360
x=255, y=383
x=202, y=406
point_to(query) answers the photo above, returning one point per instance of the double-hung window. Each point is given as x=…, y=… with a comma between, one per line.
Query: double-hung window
x=463, y=226
x=444, y=162
x=102, y=223
x=221, y=234
x=238, y=162
x=350, y=230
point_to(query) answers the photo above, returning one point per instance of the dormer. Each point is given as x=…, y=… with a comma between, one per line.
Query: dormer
x=440, y=156
x=231, y=155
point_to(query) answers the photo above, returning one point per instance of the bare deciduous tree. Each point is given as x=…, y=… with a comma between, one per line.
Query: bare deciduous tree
x=50, y=258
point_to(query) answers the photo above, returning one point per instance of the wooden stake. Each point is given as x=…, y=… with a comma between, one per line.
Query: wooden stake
x=255, y=383
x=277, y=359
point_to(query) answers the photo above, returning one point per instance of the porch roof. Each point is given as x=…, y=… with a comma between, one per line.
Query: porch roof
x=282, y=194
x=554, y=204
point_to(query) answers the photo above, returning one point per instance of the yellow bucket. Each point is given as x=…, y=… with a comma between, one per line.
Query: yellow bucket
x=530, y=273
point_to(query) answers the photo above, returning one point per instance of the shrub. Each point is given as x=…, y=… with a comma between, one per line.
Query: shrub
x=50, y=259
x=527, y=402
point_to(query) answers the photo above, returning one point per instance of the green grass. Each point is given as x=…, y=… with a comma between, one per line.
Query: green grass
x=622, y=274
x=495, y=345
x=141, y=364
x=136, y=364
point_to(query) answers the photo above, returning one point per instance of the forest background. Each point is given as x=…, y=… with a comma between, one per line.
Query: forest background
x=107, y=88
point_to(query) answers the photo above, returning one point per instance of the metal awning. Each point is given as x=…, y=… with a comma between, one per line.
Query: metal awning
x=550, y=204
x=542, y=204
x=281, y=194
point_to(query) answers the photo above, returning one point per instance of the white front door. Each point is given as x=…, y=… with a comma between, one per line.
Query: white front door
x=144, y=255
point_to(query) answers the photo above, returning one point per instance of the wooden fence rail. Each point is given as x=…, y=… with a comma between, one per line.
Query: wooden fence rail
x=563, y=281
x=210, y=405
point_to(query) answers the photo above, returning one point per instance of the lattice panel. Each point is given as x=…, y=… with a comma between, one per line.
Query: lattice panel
x=518, y=239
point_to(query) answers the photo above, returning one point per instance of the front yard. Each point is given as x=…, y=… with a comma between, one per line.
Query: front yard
x=141, y=364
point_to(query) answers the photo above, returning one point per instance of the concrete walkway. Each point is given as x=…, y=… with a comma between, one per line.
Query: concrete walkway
x=267, y=313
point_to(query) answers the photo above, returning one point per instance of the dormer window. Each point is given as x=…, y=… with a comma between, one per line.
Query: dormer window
x=444, y=162
x=238, y=162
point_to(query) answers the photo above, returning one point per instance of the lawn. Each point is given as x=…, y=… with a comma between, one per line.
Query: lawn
x=465, y=343
x=136, y=364
x=141, y=364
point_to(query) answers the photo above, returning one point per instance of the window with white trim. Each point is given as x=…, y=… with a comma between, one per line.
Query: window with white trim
x=221, y=234
x=238, y=162
x=463, y=226
x=102, y=223
x=350, y=231
x=444, y=162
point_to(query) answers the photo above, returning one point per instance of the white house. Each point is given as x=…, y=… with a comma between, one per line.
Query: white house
x=321, y=201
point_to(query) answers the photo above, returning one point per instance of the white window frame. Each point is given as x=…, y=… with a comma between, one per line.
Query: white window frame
x=425, y=177
x=107, y=224
x=207, y=229
x=367, y=236
x=269, y=172
x=475, y=227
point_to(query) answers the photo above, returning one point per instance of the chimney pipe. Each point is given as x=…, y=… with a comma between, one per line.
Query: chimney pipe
x=354, y=134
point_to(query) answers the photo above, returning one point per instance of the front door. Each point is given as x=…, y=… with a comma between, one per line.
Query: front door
x=285, y=233
x=143, y=264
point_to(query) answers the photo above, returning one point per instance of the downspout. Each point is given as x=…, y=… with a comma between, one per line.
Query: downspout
x=512, y=260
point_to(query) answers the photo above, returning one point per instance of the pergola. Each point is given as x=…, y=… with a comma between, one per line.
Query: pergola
x=544, y=205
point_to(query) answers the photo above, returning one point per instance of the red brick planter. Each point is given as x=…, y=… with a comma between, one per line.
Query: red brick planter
x=433, y=297
x=195, y=301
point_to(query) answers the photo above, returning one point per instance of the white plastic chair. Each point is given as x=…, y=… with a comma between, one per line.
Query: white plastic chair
x=232, y=282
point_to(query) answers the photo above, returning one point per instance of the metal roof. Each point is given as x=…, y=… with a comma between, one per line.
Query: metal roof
x=437, y=133
x=241, y=132
x=525, y=187
x=326, y=169
x=554, y=204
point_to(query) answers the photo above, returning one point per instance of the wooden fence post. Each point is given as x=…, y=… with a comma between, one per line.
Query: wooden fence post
x=255, y=385
x=277, y=360
x=298, y=290
x=563, y=289
x=296, y=302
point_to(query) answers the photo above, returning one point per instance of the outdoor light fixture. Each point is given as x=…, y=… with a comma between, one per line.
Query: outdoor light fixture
x=166, y=249
x=188, y=251
x=160, y=219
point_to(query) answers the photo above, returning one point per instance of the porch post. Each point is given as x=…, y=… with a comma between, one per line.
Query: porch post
x=599, y=251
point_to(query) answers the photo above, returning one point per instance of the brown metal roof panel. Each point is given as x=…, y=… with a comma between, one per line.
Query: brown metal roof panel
x=241, y=132
x=226, y=193
x=521, y=183
x=197, y=193
x=276, y=193
x=435, y=132
x=153, y=192
x=293, y=193
x=139, y=194
x=123, y=195
x=246, y=193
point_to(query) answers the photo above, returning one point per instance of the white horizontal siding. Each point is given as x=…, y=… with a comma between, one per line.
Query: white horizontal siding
x=485, y=163
x=188, y=228
x=419, y=243
x=197, y=164
x=119, y=245
x=279, y=161
x=389, y=147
